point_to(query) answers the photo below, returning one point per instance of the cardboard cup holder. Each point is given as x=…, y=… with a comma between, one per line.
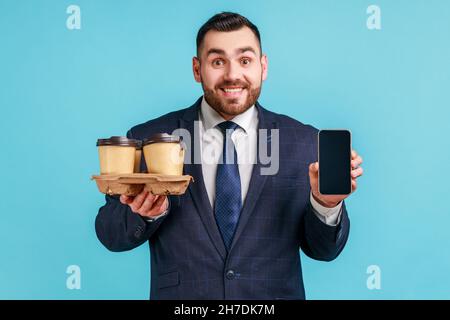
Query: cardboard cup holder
x=132, y=184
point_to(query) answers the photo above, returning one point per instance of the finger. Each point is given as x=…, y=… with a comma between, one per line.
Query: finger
x=354, y=154
x=357, y=162
x=357, y=172
x=148, y=203
x=354, y=185
x=314, y=167
x=126, y=199
x=138, y=200
x=158, y=207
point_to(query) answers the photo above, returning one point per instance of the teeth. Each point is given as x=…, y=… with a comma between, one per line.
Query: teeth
x=232, y=90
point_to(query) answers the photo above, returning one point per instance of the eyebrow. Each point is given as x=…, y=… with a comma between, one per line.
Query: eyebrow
x=222, y=52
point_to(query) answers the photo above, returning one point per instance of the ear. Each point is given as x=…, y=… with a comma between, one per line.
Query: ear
x=264, y=65
x=196, y=69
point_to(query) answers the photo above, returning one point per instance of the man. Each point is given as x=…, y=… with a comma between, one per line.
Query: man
x=235, y=233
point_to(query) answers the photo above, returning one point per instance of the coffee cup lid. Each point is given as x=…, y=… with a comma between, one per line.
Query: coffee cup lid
x=162, y=137
x=119, y=141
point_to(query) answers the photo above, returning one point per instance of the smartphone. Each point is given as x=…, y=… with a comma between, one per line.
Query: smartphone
x=335, y=155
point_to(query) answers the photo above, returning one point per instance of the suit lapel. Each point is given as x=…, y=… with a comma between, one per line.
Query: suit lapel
x=197, y=189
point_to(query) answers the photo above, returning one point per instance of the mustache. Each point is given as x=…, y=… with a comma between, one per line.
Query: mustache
x=233, y=84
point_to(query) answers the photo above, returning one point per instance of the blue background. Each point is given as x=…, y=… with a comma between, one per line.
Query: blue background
x=62, y=89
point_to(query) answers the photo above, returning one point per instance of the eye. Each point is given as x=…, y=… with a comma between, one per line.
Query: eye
x=245, y=61
x=218, y=62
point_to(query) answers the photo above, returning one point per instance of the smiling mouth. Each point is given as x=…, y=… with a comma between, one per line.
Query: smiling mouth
x=236, y=89
x=232, y=92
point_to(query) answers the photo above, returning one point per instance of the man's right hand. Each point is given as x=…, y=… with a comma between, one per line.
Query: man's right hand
x=146, y=204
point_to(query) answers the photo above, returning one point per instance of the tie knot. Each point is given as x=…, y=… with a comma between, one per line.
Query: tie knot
x=227, y=125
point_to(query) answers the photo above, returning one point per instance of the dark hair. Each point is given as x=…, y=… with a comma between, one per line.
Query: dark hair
x=224, y=22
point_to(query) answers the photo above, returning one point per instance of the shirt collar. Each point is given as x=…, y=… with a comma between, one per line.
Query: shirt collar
x=211, y=118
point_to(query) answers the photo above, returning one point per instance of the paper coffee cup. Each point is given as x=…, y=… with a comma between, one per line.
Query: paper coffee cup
x=117, y=155
x=164, y=154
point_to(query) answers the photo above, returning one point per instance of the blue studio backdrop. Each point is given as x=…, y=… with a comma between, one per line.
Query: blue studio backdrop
x=75, y=71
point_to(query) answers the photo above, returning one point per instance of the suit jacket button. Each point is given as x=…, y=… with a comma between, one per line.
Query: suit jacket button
x=230, y=275
x=138, y=233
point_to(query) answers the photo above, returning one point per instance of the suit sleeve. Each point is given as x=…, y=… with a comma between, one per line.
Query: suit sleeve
x=320, y=241
x=120, y=229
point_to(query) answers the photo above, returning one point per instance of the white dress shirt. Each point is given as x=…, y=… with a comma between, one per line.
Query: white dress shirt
x=245, y=141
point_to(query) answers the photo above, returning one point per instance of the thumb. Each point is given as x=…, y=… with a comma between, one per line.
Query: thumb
x=314, y=167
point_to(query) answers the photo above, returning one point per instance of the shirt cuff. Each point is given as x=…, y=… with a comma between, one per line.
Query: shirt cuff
x=152, y=219
x=330, y=216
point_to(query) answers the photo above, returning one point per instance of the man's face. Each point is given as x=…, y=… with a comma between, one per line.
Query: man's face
x=231, y=69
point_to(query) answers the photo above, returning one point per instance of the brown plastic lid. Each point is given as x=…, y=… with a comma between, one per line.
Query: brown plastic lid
x=162, y=137
x=119, y=141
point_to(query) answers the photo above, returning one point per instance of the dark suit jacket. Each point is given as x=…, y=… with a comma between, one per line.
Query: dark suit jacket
x=188, y=257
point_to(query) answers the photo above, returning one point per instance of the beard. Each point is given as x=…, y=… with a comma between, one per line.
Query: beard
x=231, y=107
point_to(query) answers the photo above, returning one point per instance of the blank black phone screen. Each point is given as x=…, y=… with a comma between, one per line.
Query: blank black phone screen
x=334, y=162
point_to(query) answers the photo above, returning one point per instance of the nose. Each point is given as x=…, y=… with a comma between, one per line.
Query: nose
x=232, y=73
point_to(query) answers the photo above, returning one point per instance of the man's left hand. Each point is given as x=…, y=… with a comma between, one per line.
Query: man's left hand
x=331, y=201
